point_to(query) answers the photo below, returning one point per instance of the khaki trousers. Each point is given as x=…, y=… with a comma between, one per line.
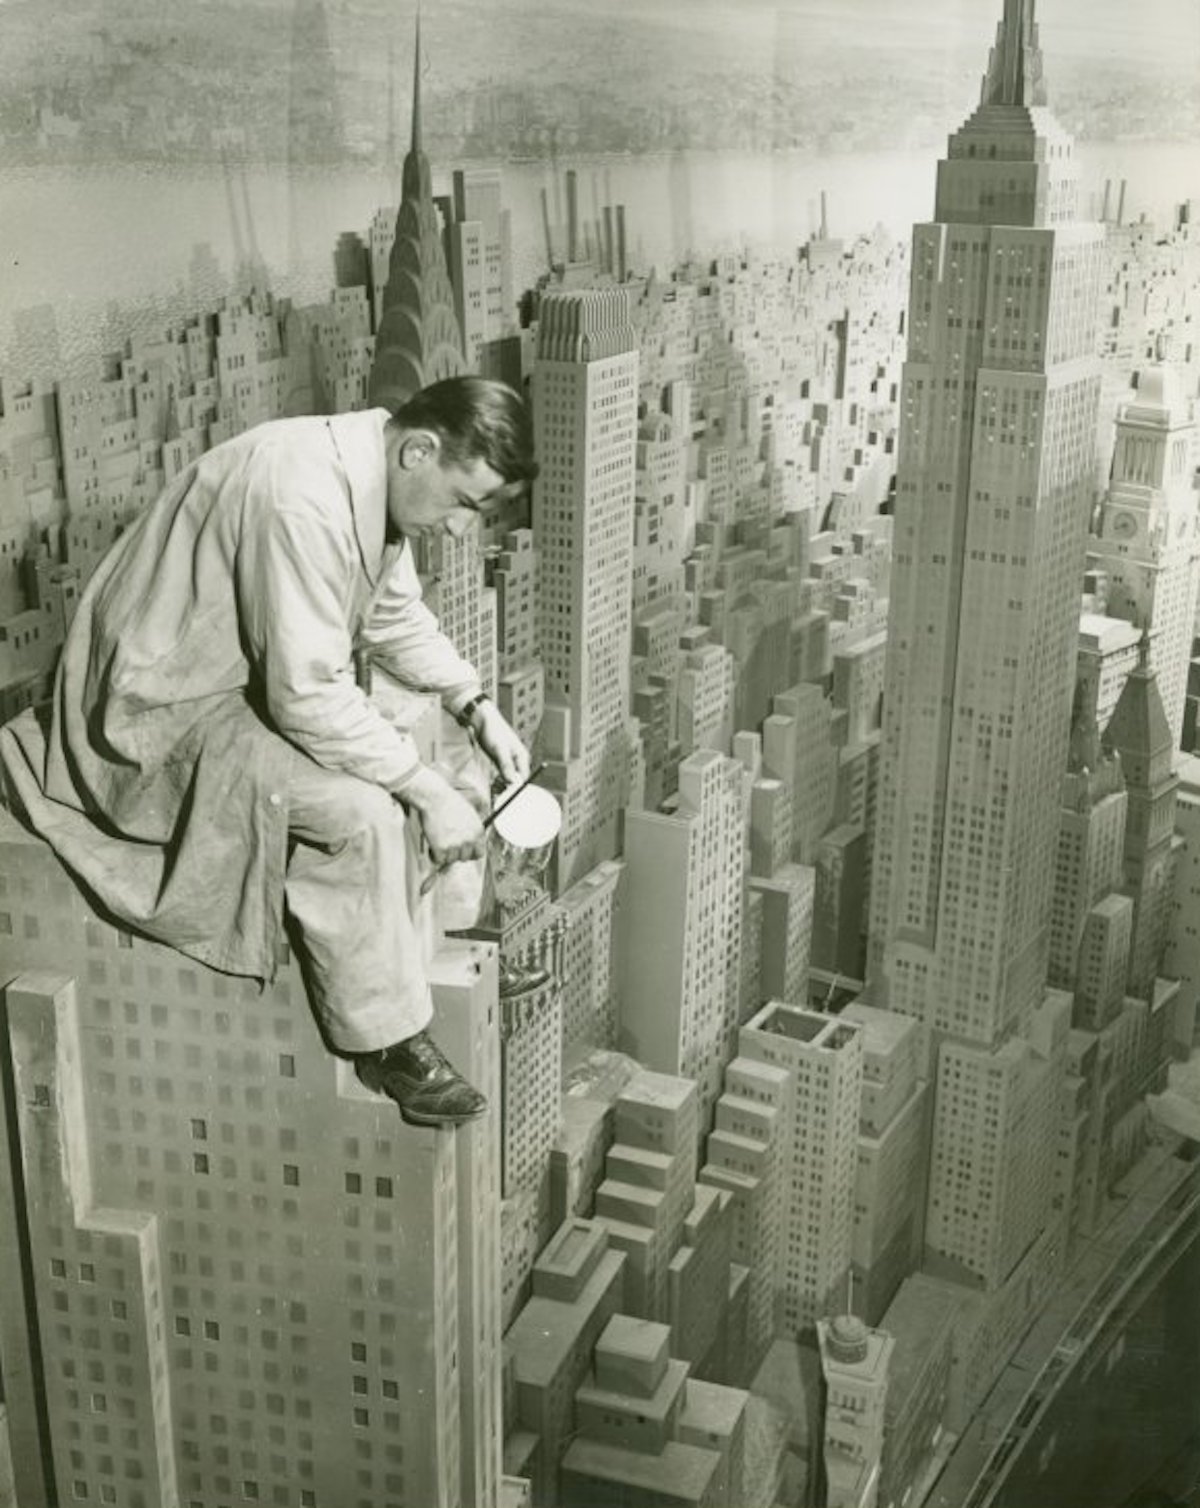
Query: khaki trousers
x=364, y=932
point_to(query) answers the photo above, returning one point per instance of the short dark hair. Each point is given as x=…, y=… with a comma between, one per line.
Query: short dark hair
x=475, y=418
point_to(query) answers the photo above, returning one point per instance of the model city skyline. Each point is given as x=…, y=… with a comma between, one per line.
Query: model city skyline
x=854, y=615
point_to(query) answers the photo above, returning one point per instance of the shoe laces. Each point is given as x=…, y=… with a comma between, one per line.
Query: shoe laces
x=425, y=1054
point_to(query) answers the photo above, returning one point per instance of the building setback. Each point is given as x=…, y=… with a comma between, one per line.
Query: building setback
x=578, y=1285
x=745, y=1156
x=650, y=1184
x=647, y=1434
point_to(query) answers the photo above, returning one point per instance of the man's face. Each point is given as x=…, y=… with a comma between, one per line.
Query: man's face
x=428, y=496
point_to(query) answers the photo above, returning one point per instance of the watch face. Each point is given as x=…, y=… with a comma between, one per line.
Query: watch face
x=1124, y=525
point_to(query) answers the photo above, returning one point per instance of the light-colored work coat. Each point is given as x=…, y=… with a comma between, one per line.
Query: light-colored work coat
x=214, y=638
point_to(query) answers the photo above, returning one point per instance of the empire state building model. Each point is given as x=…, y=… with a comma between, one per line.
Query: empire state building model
x=997, y=442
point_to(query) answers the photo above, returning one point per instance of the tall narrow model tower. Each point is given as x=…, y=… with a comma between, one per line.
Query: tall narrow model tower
x=585, y=390
x=999, y=402
x=996, y=455
x=481, y=266
x=683, y=939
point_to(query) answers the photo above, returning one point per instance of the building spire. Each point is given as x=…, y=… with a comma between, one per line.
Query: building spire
x=391, y=127
x=1138, y=728
x=416, y=108
x=415, y=179
x=419, y=339
x=1014, y=75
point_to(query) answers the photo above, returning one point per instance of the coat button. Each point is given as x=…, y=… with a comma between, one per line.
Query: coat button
x=275, y=798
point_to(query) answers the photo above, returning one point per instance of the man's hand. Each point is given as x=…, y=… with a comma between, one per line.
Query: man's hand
x=500, y=743
x=453, y=828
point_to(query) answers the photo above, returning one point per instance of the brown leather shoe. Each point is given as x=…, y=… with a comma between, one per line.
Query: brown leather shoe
x=423, y=1082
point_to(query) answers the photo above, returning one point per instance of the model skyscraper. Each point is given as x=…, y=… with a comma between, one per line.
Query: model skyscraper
x=998, y=406
x=998, y=415
x=419, y=339
x=481, y=270
x=226, y=1245
x=1149, y=545
x=585, y=390
x=685, y=873
x=824, y=1062
x=1139, y=732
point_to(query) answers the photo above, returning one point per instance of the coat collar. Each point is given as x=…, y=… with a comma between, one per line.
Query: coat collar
x=358, y=438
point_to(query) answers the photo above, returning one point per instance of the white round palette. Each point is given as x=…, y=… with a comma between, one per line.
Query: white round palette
x=532, y=820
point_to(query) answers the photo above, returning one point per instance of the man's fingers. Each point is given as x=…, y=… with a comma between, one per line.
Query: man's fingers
x=460, y=853
x=506, y=751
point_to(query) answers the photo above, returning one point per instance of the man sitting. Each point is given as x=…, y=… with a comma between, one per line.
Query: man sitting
x=211, y=756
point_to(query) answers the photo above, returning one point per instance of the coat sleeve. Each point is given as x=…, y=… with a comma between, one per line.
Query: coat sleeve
x=294, y=579
x=405, y=639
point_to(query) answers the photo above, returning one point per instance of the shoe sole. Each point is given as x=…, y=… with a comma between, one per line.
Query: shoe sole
x=416, y=1119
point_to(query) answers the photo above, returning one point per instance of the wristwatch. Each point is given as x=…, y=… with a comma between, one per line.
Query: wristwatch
x=467, y=711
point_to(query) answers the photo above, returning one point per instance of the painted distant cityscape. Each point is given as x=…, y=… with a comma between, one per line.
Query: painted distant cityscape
x=88, y=81
x=851, y=1129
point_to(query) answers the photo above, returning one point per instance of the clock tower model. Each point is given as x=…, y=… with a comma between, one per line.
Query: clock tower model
x=1149, y=536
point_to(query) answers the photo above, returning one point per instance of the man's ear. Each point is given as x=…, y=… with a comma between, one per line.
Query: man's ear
x=419, y=448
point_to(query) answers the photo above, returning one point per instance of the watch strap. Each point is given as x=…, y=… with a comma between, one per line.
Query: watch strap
x=468, y=710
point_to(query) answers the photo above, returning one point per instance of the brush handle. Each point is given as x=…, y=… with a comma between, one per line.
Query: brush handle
x=513, y=794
